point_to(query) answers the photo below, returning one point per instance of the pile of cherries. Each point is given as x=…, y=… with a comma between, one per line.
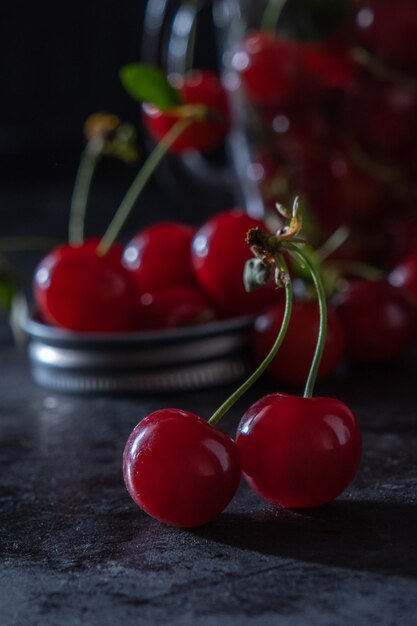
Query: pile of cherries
x=169, y=275
x=370, y=322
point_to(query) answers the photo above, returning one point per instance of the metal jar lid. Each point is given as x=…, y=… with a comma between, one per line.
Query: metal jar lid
x=195, y=357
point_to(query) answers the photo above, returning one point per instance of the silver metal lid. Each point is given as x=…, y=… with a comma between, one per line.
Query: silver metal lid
x=183, y=359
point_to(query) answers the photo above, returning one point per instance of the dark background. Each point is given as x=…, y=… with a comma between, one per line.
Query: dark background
x=59, y=63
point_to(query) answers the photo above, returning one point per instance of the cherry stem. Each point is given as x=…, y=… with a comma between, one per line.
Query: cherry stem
x=224, y=408
x=332, y=244
x=85, y=174
x=308, y=262
x=139, y=183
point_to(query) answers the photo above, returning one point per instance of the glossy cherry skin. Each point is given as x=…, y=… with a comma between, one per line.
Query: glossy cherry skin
x=389, y=29
x=292, y=363
x=173, y=307
x=196, y=87
x=404, y=275
x=219, y=256
x=77, y=289
x=298, y=452
x=180, y=469
x=159, y=256
x=379, y=320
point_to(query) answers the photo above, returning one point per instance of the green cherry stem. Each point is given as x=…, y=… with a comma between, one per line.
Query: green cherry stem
x=85, y=174
x=305, y=260
x=333, y=243
x=280, y=262
x=140, y=181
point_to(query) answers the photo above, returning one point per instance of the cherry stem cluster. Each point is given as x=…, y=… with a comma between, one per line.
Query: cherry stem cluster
x=140, y=181
x=224, y=408
x=273, y=247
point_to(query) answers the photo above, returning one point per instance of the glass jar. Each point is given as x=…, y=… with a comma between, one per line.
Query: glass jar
x=324, y=102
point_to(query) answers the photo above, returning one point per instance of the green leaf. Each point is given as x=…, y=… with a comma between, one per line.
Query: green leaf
x=146, y=83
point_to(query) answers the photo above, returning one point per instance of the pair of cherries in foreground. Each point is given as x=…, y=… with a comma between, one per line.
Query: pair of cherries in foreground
x=296, y=452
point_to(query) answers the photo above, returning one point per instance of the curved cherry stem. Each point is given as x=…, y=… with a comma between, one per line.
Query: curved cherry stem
x=280, y=262
x=305, y=260
x=139, y=183
x=85, y=174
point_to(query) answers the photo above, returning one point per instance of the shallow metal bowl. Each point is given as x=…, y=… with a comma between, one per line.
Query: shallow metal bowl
x=195, y=357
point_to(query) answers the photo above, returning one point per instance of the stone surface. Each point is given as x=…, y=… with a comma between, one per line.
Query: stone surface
x=76, y=550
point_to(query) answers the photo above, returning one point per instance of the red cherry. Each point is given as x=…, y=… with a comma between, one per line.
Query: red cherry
x=219, y=256
x=389, y=29
x=379, y=320
x=299, y=452
x=331, y=67
x=271, y=68
x=404, y=275
x=180, y=469
x=293, y=361
x=159, y=256
x=173, y=307
x=79, y=290
x=196, y=87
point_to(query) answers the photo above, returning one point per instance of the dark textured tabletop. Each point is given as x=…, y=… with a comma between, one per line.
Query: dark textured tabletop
x=76, y=550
